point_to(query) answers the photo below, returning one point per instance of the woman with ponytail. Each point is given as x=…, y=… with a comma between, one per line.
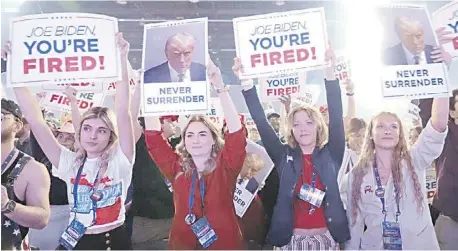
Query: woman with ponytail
x=98, y=175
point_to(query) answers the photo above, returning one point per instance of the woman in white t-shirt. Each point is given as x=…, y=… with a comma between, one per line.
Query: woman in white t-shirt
x=101, y=169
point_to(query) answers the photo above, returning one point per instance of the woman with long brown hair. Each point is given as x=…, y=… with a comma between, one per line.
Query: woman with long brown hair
x=99, y=173
x=203, y=173
x=386, y=189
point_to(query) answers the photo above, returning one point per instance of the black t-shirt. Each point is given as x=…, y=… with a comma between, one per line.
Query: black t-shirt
x=152, y=198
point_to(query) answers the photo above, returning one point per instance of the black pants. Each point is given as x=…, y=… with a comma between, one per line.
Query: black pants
x=116, y=239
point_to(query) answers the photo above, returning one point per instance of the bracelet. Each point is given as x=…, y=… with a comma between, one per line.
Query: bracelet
x=350, y=94
x=224, y=89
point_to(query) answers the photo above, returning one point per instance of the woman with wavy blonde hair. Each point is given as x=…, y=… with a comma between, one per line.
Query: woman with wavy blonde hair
x=99, y=174
x=386, y=189
x=308, y=214
x=203, y=173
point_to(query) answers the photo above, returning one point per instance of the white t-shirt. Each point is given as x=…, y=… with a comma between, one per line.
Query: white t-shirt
x=113, y=185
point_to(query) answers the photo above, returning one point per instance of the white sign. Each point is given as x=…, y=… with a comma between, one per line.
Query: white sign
x=409, y=69
x=175, y=83
x=82, y=87
x=447, y=17
x=273, y=88
x=311, y=94
x=431, y=183
x=60, y=102
x=110, y=88
x=343, y=67
x=274, y=43
x=422, y=81
x=63, y=48
x=215, y=113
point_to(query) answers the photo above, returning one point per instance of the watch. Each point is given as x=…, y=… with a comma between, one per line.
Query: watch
x=224, y=89
x=9, y=207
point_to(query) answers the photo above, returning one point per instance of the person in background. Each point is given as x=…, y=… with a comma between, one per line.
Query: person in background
x=99, y=174
x=152, y=208
x=253, y=134
x=308, y=165
x=203, y=172
x=23, y=139
x=25, y=185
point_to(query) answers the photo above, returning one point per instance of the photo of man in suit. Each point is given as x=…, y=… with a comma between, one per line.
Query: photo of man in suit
x=412, y=49
x=179, y=67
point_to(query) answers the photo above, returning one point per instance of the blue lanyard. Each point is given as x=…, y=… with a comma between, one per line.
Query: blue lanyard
x=75, y=193
x=201, y=189
x=8, y=159
x=380, y=192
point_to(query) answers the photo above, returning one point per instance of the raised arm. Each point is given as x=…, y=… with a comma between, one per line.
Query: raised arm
x=233, y=152
x=135, y=107
x=122, y=104
x=336, y=141
x=160, y=150
x=31, y=111
x=351, y=106
x=270, y=139
x=76, y=115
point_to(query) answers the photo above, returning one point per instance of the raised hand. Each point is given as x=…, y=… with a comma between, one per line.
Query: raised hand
x=349, y=86
x=123, y=45
x=237, y=68
x=70, y=92
x=330, y=58
x=443, y=35
x=6, y=50
x=214, y=75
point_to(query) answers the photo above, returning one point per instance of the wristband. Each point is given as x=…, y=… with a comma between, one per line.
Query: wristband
x=350, y=94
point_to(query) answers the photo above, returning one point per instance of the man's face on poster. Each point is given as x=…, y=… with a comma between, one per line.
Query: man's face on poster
x=179, y=52
x=412, y=35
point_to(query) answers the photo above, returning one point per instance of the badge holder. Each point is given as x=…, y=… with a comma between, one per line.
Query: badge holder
x=201, y=228
x=311, y=194
x=391, y=231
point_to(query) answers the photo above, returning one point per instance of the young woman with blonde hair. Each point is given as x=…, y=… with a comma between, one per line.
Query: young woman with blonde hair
x=98, y=175
x=307, y=167
x=203, y=173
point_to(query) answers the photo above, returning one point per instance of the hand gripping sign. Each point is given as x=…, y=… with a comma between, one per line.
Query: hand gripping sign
x=63, y=48
x=447, y=17
x=281, y=42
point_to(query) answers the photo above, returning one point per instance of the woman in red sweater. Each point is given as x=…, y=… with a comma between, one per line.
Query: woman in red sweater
x=203, y=174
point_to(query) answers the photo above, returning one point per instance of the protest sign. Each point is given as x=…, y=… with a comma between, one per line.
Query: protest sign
x=275, y=43
x=311, y=94
x=409, y=69
x=175, y=83
x=413, y=112
x=82, y=87
x=249, y=122
x=272, y=88
x=60, y=102
x=215, y=113
x=247, y=188
x=63, y=48
x=431, y=183
x=110, y=88
x=343, y=67
x=447, y=17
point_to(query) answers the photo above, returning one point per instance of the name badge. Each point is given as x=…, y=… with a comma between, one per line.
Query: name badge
x=311, y=195
x=391, y=236
x=72, y=234
x=204, y=232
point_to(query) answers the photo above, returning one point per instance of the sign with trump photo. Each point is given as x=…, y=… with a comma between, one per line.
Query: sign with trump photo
x=411, y=62
x=174, y=60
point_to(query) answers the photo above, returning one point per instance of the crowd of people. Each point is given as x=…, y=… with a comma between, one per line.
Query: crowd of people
x=110, y=179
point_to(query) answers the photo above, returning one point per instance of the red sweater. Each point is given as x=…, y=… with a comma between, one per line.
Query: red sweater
x=302, y=218
x=219, y=192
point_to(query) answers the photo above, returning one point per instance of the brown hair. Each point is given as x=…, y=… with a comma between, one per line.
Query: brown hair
x=367, y=158
x=314, y=115
x=108, y=117
x=186, y=159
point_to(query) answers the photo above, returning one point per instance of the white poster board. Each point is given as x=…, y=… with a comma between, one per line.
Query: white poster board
x=272, y=88
x=343, y=67
x=447, y=17
x=175, y=59
x=60, y=102
x=63, y=48
x=408, y=68
x=276, y=43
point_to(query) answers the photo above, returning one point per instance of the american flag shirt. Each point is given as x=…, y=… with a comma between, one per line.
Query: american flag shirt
x=11, y=236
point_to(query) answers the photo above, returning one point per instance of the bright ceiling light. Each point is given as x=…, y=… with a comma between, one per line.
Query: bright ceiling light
x=280, y=3
x=194, y=1
x=121, y=1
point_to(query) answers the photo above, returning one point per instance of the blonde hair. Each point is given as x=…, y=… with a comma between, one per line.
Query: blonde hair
x=366, y=162
x=315, y=116
x=253, y=162
x=108, y=117
x=187, y=163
